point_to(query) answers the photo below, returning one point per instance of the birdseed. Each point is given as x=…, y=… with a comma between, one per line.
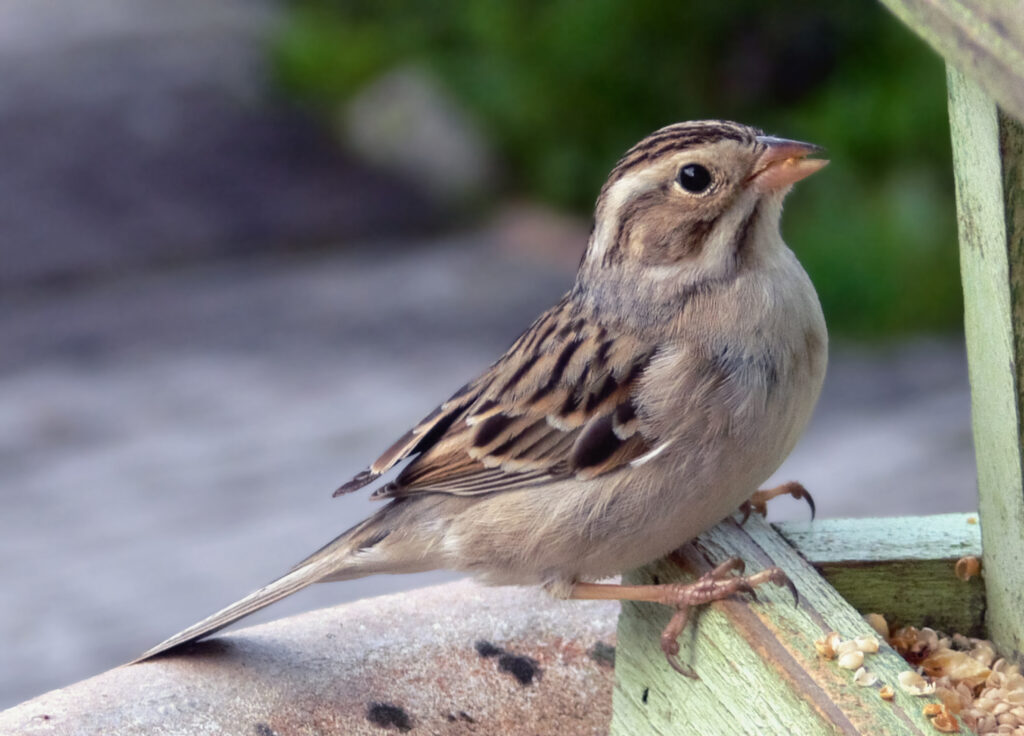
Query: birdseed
x=973, y=682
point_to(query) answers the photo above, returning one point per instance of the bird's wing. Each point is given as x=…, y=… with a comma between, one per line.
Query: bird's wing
x=559, y=403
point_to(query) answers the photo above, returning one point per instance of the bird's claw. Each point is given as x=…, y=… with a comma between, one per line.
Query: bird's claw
x=759, y=501
x=683, y=669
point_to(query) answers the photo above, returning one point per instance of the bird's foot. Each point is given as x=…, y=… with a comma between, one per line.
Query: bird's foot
x=725, y=580
x=759, y=501
x=715, y=585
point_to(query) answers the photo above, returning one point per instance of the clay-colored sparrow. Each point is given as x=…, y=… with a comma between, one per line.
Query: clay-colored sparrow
x=643, y=408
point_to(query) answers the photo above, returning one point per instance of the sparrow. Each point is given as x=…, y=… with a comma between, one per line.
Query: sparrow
x=644, y=407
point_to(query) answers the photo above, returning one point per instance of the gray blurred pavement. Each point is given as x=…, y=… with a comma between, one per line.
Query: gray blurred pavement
x=170, y=441
x=140, y=132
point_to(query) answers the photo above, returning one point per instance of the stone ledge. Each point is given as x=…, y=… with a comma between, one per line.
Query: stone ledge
x=455, y=658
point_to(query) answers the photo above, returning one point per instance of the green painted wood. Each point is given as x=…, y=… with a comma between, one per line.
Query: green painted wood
x=900, y=567
x=983, y=38
x=759, y=671
x=988, y=159
x=906, y=538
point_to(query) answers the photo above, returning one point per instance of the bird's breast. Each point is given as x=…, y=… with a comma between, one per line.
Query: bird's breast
x=736, y=390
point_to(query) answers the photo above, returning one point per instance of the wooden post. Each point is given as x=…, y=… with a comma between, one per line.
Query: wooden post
x=988, y=158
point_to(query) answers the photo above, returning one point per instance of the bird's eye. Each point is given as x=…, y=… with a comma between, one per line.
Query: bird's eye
x=694, y=178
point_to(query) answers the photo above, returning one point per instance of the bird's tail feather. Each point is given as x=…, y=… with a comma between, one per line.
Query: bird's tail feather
x=344, y=558
x=299, y=578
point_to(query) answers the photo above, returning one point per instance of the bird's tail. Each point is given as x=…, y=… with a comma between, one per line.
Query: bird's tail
x=300, y=577
x=365, y=549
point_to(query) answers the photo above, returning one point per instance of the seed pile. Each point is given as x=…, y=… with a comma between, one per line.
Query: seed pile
x=973, y=682
x=969, y=676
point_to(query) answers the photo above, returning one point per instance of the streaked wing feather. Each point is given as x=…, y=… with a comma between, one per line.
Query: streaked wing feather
x=418, y=439
x=560, y=402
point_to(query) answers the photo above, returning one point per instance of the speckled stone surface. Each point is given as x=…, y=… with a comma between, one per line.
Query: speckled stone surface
x=449, y=659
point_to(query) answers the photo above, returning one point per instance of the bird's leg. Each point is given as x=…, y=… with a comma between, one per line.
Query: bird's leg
x=759, y=501
x=712, y=586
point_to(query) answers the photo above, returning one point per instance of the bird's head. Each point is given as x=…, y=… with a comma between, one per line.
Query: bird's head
x=691, y=201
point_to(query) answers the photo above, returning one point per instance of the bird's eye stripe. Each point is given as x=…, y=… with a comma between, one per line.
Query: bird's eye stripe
x=676, y=138
x=628, y=164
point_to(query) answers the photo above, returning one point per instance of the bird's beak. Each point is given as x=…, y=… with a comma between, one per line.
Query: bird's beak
x=784, y=162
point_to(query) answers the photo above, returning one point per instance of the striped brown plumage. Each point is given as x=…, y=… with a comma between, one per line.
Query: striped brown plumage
x=557, y=404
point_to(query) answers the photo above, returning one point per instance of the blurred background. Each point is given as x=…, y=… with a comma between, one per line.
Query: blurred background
x=245, y=244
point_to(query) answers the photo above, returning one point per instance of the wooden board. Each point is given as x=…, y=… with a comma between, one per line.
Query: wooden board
x=759, y=671
x=902, y=568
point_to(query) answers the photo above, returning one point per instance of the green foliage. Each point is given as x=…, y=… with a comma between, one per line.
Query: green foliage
x=563, y=87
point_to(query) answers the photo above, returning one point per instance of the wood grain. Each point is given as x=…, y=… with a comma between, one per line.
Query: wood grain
x=988, y=159
x=759, y=671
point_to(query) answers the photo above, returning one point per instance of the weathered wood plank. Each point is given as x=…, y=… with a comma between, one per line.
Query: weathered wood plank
x=759, y=671
x=900, y=567
x=988, y=159
x=884, y=539
x=983, y=38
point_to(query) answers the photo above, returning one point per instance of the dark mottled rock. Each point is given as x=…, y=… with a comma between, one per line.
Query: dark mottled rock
x=387, y=715
x=522, y=668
